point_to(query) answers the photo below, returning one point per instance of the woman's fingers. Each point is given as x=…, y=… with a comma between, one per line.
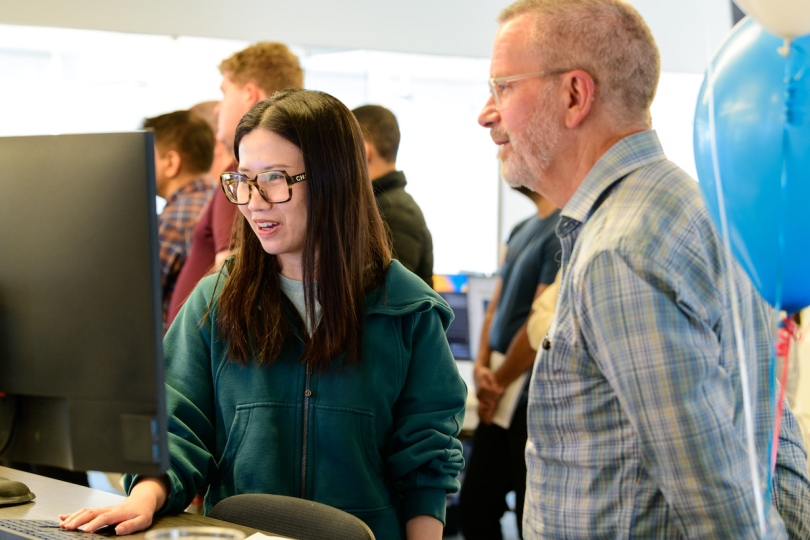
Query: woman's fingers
x=133, y=525
x=80, y=517
x=116, y=515
x=128, y=517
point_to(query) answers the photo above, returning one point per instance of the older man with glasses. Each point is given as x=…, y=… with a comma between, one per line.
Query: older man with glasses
x=635, y=417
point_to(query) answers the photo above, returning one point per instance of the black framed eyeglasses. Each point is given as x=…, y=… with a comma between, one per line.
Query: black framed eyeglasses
x=274, y=186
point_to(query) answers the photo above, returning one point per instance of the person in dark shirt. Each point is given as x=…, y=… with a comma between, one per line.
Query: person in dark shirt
x=496, y=465
x=410, y=237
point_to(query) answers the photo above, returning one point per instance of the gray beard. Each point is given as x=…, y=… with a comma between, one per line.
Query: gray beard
x=534, y=151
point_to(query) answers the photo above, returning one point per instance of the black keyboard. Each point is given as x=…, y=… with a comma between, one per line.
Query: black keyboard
x=15, y=529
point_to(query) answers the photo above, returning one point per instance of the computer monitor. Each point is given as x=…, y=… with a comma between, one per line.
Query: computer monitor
x=480, y=291
x=81, y=356
x=453, y=288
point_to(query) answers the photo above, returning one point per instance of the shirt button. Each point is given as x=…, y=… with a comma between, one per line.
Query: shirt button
x=546, y=343
x=308, y=393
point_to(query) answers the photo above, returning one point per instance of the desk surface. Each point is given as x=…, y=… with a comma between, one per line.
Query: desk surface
x=54, y=497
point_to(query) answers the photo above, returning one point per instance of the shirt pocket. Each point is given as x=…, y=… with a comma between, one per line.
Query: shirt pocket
x=259, y=455
x=348, y=469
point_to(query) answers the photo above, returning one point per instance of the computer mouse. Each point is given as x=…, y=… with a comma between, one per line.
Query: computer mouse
x=106, y=530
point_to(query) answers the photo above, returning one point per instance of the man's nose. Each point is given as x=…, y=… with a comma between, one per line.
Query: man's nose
x=489, y=115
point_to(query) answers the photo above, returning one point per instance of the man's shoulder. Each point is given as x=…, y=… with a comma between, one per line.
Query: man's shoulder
x=400, y=210
x=519, y=227
x=657, y=203
x=196, y=193
x=654, y=214
x=535, y=235
x=185, y=207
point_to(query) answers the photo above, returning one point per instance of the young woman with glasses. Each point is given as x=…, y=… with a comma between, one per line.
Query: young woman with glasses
x=312, y=365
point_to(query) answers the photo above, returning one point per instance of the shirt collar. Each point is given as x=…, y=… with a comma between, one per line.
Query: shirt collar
x=629, y=154
x=394, y=179
x=196, y=185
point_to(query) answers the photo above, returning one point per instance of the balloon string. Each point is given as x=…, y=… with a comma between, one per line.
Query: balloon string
x=735, y=315
x=787, y=335
x=776, y=402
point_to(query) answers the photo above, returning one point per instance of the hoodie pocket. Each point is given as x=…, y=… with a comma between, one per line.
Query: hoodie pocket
x=349, y=471
x=259, y=455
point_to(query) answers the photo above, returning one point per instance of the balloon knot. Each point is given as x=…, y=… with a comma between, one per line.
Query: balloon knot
x=784, y=50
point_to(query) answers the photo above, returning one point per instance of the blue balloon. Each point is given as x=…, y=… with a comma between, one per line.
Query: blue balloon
x=762, y=131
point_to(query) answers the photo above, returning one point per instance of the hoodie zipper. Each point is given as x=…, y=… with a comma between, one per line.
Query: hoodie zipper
x=307, y=394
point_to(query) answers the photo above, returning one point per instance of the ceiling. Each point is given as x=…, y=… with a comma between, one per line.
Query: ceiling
x=684, y=29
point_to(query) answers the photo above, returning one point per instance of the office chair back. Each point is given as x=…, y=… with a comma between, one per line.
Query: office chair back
x=290, y=516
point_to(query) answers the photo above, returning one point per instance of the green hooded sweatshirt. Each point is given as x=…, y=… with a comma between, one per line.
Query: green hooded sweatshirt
x=375, y=439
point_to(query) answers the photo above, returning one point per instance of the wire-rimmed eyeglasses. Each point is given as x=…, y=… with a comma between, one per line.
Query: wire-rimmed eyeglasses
x=498, y=84
x=274, y=186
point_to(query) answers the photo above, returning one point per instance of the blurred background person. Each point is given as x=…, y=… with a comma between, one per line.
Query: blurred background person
x=497, y=465
x=409, y=234
x=184, y=151
x=248, y=77
x=222, y=155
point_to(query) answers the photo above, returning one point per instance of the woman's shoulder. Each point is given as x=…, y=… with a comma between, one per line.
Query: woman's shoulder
x=208, y=289
x=405, y=293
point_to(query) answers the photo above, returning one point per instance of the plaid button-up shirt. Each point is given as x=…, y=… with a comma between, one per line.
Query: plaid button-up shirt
x=636, y=425
x=175, y=230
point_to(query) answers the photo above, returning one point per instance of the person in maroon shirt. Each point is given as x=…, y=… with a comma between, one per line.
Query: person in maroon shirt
x=248, y=77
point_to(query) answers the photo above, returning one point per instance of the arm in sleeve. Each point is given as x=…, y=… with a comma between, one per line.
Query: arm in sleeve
x=424, y=454
x=223, y=217
x=171, y=244
x=662, y=359
x=791, y=487
x=190, y=405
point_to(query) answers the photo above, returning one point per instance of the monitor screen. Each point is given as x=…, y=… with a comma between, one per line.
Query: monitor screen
x=453, y=288
x=480, y=291
x=81, y=356
x=457, y=335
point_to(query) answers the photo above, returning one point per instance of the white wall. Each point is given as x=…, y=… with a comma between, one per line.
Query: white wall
x=445, y=27
x=72, y=81
x=66, y=81
x=448, y=159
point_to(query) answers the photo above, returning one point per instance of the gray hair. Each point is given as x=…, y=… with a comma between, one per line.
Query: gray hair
x=606, y=38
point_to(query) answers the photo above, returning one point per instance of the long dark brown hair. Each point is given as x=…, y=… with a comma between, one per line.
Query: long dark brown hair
x=345, y=246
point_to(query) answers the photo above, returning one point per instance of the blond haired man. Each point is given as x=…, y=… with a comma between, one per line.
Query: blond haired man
x=248, y=77
x=635, y=415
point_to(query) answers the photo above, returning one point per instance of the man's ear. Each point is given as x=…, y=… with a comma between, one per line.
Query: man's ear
x=253, y=94
x=580, y=94
x=371, y=152
x=173, y=163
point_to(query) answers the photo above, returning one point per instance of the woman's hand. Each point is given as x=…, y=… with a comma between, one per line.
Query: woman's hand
x=132, y=515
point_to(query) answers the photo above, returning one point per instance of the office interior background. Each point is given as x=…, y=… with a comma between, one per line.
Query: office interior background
x=103, y=66
x=91, y=66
